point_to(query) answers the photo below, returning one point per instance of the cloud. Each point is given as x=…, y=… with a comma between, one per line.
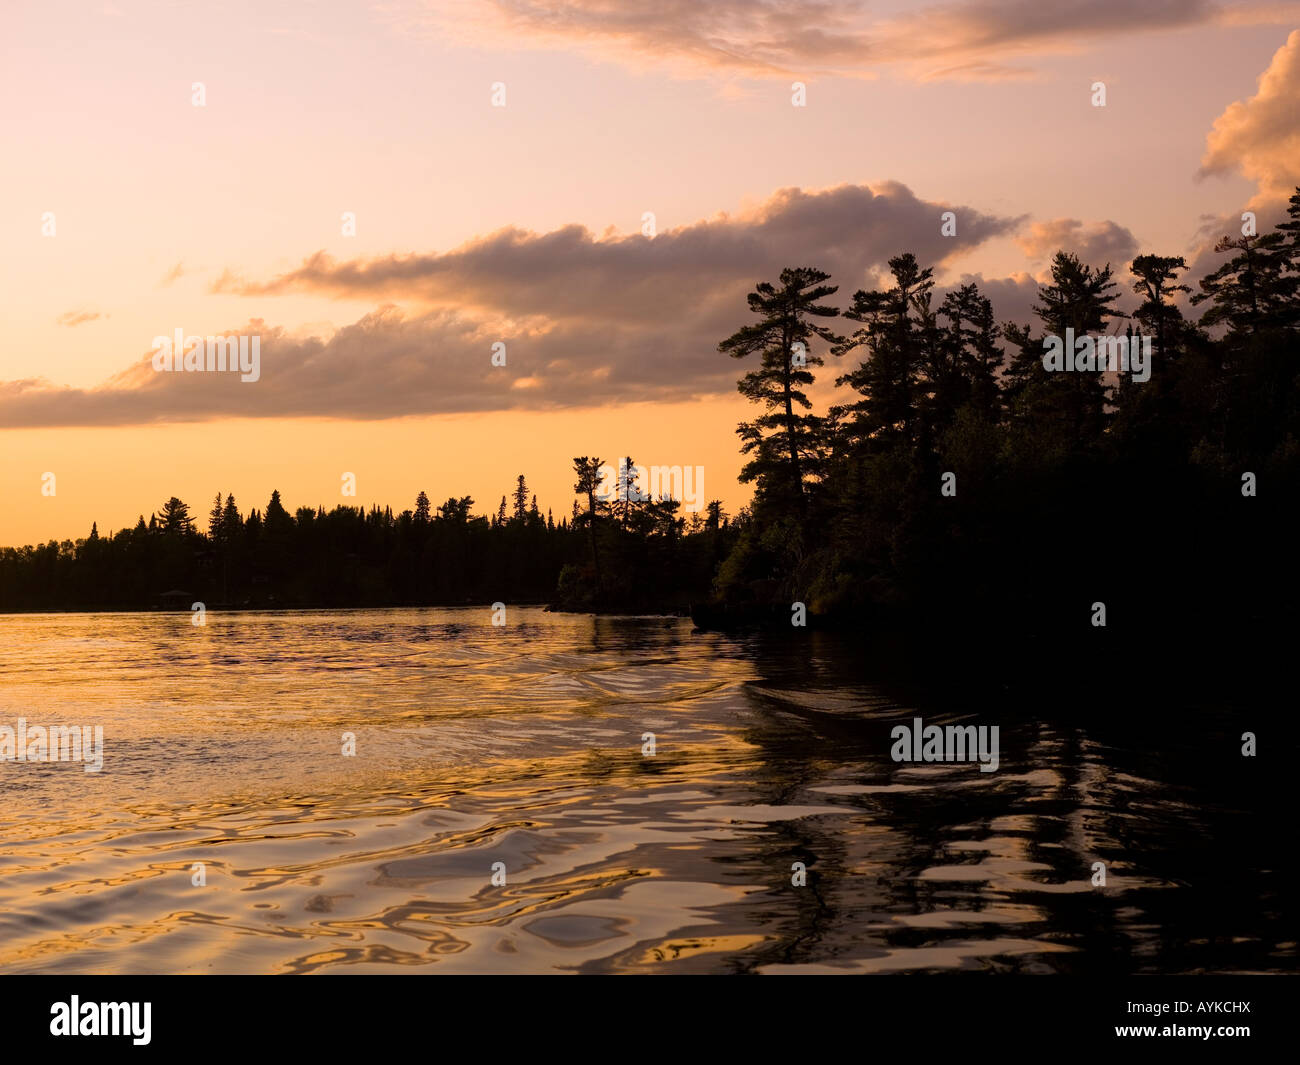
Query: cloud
x=74, y=318
x=1013, y=297
x=1260, y=137
x=847, y=230
x=176, y=272
x=1096, y=243
x=390, y=364
x=587, y=320
x=780, y=38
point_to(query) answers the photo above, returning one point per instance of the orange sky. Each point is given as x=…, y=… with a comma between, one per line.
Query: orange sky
x=523, y=223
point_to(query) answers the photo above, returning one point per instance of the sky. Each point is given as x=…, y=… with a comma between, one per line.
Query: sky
x=189, y=166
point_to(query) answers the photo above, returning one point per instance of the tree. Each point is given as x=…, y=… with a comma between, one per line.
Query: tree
x=1255, y=289
x=1155, y=277
x=1291, y=228
x=1254, y=294
x=1142, y=408
x=628, y=494
x=216, y=517
x=1063, y=406
x=783, y=444
x=973, y=335
x=176, y=519
x=889, y=376
x=231, y=522
x=521, y=499
x=456, y=511
x=588, y=471
x=422, y=516
x=276, y=516
x=224, y=527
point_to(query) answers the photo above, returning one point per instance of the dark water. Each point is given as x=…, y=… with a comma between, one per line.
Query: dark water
x=522, y=745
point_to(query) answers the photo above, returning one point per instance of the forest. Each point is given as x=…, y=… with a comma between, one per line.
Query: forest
x=957, y=483
x=649, y=558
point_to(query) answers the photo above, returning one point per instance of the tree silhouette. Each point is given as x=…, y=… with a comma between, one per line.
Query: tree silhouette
x=889, y=376
x=521, y=499
x=941, y=489
x=588, y=471
x=176, y=518
x=1256, y=288
x=780, y=441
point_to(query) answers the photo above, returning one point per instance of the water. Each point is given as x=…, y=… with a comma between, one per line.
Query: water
x=522, y=745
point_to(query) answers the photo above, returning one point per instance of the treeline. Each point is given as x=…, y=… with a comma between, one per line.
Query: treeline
x=649, y=556
x=959, y=482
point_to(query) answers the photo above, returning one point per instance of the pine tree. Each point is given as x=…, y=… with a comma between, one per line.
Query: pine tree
x=1255, y=289
x=1155, y=283
x=628, y=493
x=231, y=522
x=521, y=499
x=587, y=484
x=215, y=518
x=974, y=335
x=276, y=517
x=1291, y=228
x=176, y=518
x=889, y=377
x=783, y=445
x=456, y=511
x=1070, y=405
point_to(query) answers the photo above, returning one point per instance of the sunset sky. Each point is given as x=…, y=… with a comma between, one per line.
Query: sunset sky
x=523, y=223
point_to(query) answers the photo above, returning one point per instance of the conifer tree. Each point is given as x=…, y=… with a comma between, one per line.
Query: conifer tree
x=783, y=443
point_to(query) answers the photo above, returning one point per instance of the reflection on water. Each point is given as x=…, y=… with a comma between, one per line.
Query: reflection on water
x=477, y=745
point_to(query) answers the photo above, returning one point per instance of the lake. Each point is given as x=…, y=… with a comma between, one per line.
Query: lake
x=501, y=812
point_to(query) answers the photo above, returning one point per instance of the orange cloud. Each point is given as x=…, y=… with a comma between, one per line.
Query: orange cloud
x=1096, y=242
x=1260, y=137
x=74, y=318
x=587, y=321
x=783, y=38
